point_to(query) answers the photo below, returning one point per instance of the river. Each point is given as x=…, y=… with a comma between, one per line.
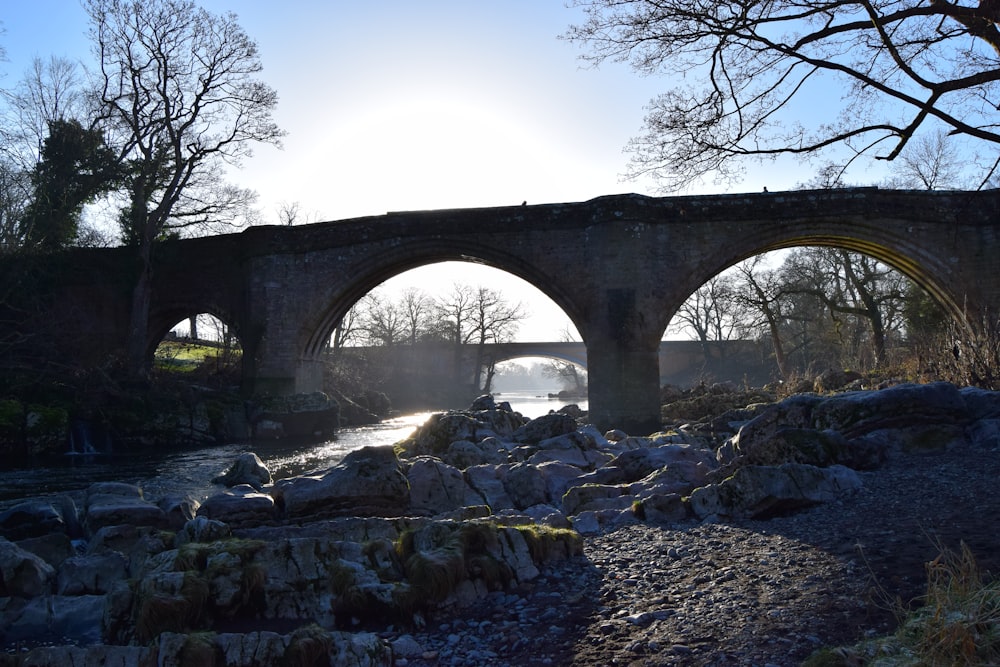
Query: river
x=190, y=471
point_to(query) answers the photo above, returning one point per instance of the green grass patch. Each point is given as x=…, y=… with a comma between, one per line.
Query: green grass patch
x=179, y=356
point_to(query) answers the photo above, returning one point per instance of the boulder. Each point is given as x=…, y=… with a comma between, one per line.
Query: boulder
x=435, y=486
x=544, y=427
x=547, y=515
x=558, y=477
x=680, y=477
x=488, y=482
x=367, y=482
x=578, y=448
x=252, y=649
x=984, y=432
x=137, y=543
x=806, y=445
x=981, y=403
x=97, y=655
x=855, y=413
x=663, y=508
x=202, y=529
x=435, y=435
x=239, y=506
x=593, y=522
x=525, y=485
x=247, y=469
x=591, y=497
x=309, y=415
x=484, y=402
x=636, y=464
x=53, y=548
x=501, y=421
x=31, y=518
x=762, y=491
x=465, y=453
x=75, y=619
x=22, y=573
x=115, y=503
x=179, y=510
x=93, y=574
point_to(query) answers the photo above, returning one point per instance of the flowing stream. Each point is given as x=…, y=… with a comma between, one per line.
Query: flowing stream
x=190, y=471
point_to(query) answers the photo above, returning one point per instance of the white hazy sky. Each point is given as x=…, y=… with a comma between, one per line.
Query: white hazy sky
x=394, y=105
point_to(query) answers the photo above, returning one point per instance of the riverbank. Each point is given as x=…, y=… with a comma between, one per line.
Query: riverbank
x=487, y=539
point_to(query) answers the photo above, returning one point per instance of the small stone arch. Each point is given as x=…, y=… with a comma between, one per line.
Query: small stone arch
x=557, y=351
x=163, y=319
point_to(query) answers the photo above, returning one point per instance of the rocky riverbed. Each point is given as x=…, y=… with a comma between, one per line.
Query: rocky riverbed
x=752, y=538
x=751, y=592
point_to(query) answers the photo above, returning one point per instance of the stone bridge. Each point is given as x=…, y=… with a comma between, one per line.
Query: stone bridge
x=682, y=362
x=619, y=266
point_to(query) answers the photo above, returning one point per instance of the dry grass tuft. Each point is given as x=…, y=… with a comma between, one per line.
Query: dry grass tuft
x=958, y=624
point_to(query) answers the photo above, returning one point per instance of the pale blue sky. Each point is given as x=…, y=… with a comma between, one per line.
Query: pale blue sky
x=395, y=105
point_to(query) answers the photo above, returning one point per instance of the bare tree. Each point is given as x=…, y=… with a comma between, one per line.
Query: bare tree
x=930, y=162
x=348, y=330
x=49, y=91
x=741, y=72
x=417, y=310
x=494, y=320
x=15, y=197
x=477, y=316
x=713, y=314
x=49, y=95
x=179, y=99
x=862, y=298
x=290, y=213
x=382, y=320
x=571, y=376
x=760, y=292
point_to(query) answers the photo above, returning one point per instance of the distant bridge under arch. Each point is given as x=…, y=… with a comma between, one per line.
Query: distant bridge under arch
x=619, y=266
x=681, y=361
x=573, y=352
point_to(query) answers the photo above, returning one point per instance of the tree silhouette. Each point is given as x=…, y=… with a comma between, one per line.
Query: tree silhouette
x=765, y=79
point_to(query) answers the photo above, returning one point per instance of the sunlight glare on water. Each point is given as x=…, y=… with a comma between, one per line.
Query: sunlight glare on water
x=316, y=458
x=189, y=472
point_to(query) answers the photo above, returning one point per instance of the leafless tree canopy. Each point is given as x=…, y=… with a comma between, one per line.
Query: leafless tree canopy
x=179, y=98
x=753, y=78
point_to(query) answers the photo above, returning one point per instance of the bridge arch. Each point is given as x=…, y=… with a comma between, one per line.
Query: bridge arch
x=165, y=317
x=927, y=270
x=332, y=306
x=574, y=353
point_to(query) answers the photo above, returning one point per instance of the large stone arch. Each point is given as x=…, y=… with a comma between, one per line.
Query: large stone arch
x=928, y=268
x=331, y=306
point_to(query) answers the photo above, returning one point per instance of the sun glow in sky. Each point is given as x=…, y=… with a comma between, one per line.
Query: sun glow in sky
x=395, y=105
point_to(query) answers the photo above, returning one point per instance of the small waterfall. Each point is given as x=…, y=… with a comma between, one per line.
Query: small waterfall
x=82, y=439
